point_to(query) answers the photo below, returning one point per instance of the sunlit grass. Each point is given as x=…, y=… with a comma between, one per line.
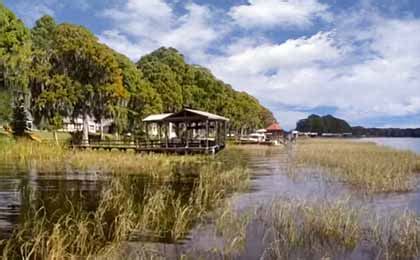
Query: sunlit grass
x=366, y=165
x=50, y=158
x=121, y=216
x=303, y=229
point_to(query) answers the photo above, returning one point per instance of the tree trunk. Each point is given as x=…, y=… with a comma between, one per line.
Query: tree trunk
x=101, y=126
x=55, y=136
x=85, y=138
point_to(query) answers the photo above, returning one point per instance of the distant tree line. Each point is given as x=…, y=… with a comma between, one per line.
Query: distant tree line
x=330, y=124
x=324, y=124
x=386, y=132
x=62, y=70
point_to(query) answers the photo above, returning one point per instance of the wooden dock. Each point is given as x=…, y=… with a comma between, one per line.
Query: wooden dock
x=151, y=147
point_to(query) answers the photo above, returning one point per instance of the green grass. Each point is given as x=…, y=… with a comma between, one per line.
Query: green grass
x=365, y=165
x=50, y=158
x=330, y=229
x=122, y=216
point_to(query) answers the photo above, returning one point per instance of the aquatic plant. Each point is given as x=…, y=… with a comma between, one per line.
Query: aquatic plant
x=366, y=165
x=123, y=215
x=49, y=158
x=331, y=229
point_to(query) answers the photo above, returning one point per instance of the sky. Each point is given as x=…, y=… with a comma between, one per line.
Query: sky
x=355, y=59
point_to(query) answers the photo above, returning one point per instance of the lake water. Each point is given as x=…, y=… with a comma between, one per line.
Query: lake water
x=272, y=178
x=412, y=144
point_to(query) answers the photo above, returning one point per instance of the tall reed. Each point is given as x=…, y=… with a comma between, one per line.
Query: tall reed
x=367, y=165
x=305, y=229
x=123, y=215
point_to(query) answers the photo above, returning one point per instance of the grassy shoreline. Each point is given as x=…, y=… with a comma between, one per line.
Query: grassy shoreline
x=371, y=167
x=121, y=215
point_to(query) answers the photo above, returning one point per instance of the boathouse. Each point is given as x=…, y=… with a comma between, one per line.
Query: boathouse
x=187, y=131
x=274, y=132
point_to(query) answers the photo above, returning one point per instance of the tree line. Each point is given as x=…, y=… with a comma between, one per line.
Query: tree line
x=62, y=70
x=330, y=124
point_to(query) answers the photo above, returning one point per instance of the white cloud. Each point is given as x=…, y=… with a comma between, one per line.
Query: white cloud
x=374, y=77
x=30, y=12
x=278, y=13
x=365, y=66
x=152, y=24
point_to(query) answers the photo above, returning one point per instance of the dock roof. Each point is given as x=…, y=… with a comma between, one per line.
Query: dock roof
x=186, y=112
x=156, y=117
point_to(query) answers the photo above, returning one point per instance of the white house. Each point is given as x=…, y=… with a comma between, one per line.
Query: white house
x=76, y=124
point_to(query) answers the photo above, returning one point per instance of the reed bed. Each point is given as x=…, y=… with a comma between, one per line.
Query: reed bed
x=321, y=230
x=366, y=165
x=122, y=215
x=51, y=158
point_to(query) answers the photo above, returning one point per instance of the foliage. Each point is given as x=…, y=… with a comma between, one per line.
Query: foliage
x=14, y=52
x=325, y=124
x=6, y=110
x=180, y=84
x=71, y=74
x=20, y=119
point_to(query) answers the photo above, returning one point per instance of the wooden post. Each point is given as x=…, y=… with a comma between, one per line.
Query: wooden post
x=168, y=132
x=216, y=136
x=207, y=134
x=160, y=133
x=224, y=133
x=147, y=133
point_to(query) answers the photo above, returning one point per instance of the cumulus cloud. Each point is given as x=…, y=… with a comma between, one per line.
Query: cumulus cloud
x=364, y=65
x=370, y=76
x=151, y=24
x=278, y=13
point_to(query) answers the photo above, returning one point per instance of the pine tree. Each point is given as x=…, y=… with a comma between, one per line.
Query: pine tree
x=19, y=123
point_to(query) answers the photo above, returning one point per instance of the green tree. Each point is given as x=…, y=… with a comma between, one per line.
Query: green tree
x=20, y=119
x=15, y=50
x=142, y=99
x=6, y=110
x=41, y=69
x=93, y=70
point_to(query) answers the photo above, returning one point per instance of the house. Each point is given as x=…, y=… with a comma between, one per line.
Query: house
x=274, y=132
x=76, y=125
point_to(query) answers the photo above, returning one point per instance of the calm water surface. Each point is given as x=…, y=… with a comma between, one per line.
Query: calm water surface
x=272, y=178
x=412, y=144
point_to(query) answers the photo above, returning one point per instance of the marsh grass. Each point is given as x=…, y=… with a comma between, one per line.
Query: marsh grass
x=366, y=165
x=317, y=230
x=52, y=158
x=122, y=215
x=232, y=227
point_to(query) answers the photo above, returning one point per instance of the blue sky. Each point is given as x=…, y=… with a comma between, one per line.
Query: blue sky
x=356, y=59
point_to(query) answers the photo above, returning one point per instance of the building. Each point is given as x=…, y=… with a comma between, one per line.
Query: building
x=274, y=132
x=187, y=131
x=76, y=125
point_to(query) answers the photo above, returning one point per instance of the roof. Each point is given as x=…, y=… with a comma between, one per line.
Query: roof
x=207, y=114
x=180, y=115
x=156, y=117
x=274, y=127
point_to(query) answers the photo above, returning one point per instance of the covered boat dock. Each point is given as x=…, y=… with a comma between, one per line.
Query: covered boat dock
x=184, y=132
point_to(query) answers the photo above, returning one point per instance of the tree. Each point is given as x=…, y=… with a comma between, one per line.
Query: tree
x=41, y=68
x=93, y=70
x=142, y=99
x=20, y=119
x=6, y=110
x=14, y=58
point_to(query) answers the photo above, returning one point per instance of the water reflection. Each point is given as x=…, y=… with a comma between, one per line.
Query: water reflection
x=19, y=193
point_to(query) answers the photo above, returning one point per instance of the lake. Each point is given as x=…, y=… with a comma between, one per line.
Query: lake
x=273, y=177
x=412, y=144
